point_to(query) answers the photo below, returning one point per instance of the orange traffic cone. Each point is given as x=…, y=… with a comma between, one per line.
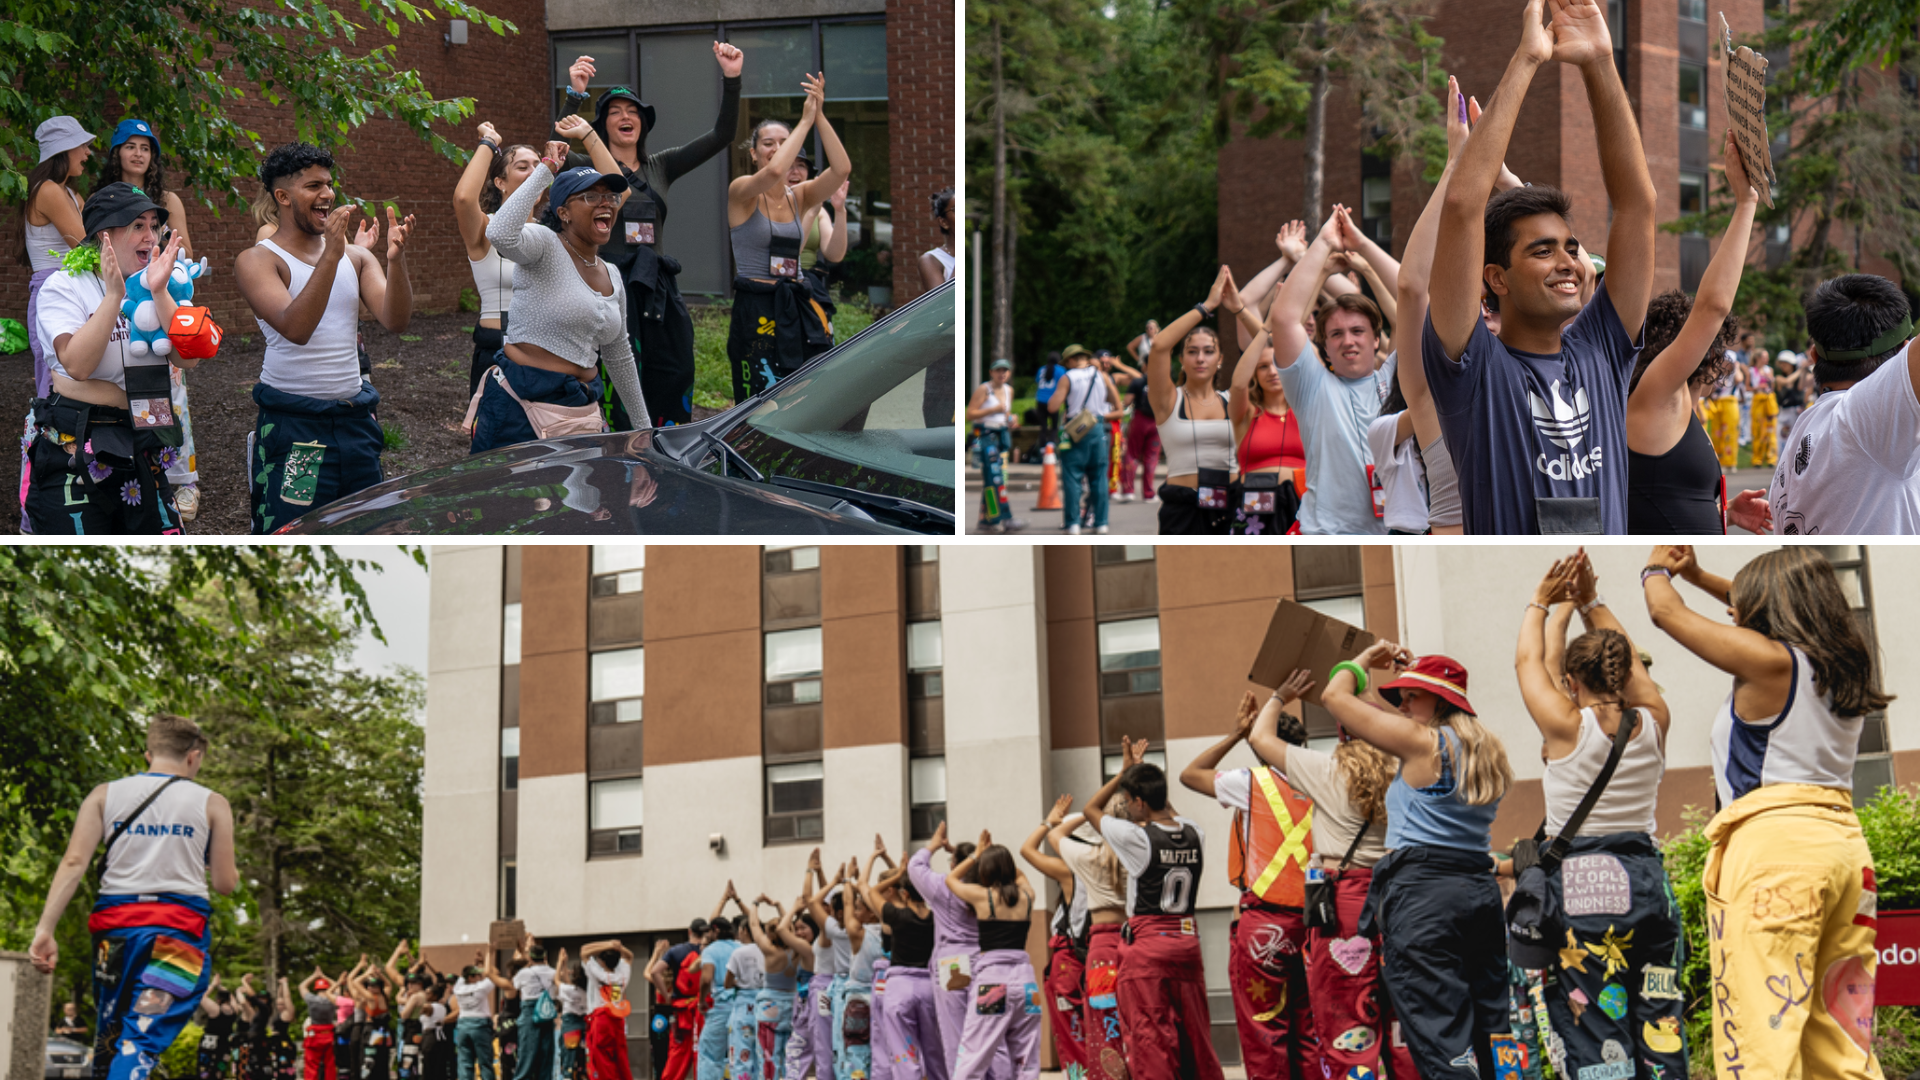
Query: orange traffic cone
x=1049, y=482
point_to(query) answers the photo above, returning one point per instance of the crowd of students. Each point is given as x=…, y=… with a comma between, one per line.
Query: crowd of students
x=581, y=325
x=1550, y=390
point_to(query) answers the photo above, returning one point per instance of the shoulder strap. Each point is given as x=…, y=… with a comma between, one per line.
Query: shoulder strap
x=1622, y=734
x=1347, y=859
x=130, y=819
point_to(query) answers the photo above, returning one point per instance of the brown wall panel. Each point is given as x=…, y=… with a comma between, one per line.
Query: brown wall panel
x=1376, y=572
x=865, y=693
x=553, y=599
x=1204, y=656
x=553, y=708
x=1073, y=685
x=703, y=696
x=860, y=581
x=702, y=590
x=1201, y=576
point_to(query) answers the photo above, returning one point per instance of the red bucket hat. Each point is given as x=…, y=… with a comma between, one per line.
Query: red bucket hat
x=1436, y=674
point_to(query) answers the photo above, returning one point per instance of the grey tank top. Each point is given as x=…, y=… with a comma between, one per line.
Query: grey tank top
x=753, y=243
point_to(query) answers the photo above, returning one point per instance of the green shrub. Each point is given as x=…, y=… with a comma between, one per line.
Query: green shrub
x=713, y=372
x=182, y=1059
x=469, y=300
x=1891, y=823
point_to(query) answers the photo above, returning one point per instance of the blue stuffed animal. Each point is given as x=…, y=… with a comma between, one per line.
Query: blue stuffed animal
x=148, y=336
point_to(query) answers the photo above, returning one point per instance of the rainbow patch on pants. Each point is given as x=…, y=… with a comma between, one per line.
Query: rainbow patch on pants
x=174, y=967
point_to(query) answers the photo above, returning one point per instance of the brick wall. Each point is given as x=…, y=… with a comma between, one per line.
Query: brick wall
x=920, y=77
x=506, y=75
x=1553, y=143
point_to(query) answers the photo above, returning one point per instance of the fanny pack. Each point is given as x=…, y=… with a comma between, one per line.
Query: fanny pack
x=150, y=402
x=549, y=421
x=1320, y=910
x=96, y=432
x=1214, y=489
x=1077, y=426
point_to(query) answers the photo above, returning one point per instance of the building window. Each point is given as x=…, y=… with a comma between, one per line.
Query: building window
x=508, y=888
x=1873, y=768
x=1693, y=96
x=1617, y=28
x=1693, y=10
x=1125, y=581
x=1126, y=606
x=923, y=581
x=674, y=71
x=616, y=813
x=926, y=729
x=792, y=741
x=927, y=795
x=796, y=798
x=790, y=587
x=509, y=759
x=510, y=635
x=616, y=603
x=1376, y=198
x=617, y=683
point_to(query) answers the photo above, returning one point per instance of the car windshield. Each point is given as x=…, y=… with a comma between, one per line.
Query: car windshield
x=876, y=415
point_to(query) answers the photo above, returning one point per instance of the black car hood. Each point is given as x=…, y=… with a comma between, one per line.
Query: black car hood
x=614, y=484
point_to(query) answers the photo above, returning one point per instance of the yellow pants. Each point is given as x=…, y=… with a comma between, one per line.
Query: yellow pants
x=1764, y=414
x=1790, y=925
x=1723, y=427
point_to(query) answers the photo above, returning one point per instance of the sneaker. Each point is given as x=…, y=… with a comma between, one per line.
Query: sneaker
x=1012, y=525
x=1099, y=530
x=1073, y=530
x=186, y=501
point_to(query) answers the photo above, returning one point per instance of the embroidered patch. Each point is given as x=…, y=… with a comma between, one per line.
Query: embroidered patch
x=990, y=999
x=1468, y=1062
x=1102, y=981
x=1868, y=908
x=1613, y=950
x=1359, y=1072
x=300, y=477
x=174, y=967
x=1613, y=1000
x=1662, y=1036
x=1849, y=996
x=1350, y=953
x=1660, y=984
x=1033, y=1000
x=1509, y=1057
x=1356, y=1040
x=1595, y=885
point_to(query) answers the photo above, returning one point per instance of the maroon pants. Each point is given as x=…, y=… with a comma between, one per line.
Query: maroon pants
x=1066, y=1001
x=1163, y=1002
x=318, y=1046
x=1106, y=1048
x=1268, y=972
x=1351, y=1015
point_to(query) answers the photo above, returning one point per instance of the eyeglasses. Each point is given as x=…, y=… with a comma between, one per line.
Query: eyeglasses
x=599, y=198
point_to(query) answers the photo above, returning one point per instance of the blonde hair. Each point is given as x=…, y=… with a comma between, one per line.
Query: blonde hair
x=1367, y=770
x=1482, y=774
x=1105, y=863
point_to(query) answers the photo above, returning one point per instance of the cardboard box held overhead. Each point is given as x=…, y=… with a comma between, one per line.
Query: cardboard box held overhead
x=1300, y=637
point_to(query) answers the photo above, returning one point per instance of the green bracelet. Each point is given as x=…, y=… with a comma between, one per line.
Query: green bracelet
x=1359, y=674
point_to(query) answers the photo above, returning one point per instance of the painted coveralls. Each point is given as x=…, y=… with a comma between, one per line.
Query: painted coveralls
x=713, y=1033
x=956, y=940
x=150, y=968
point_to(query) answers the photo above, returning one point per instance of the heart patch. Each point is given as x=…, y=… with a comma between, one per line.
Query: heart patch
x=1350, y=953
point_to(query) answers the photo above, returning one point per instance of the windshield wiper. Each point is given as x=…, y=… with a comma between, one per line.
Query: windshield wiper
x=888, y=504
x=728, y=453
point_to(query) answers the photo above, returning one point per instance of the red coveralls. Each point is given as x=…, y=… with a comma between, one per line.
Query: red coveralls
x=688, y=1013
x=1266, y=860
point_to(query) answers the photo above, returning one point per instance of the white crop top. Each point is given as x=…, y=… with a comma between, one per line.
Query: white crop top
x=1631, y=796
x=1192, y=445
x=493, y=280
x=165, y=849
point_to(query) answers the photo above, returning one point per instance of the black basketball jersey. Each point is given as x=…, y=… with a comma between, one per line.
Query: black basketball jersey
x=1172, y=876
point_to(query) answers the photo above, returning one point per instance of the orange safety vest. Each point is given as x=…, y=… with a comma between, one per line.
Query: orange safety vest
x=1271, y=844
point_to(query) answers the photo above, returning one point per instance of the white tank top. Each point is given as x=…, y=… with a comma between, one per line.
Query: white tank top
x=40, y=238
x=493, y=280
x=999, y=419
x=1628, y=803
x=328, y=365
x=1192, y=445
x=165, y=849
x=1805, y=744
x=946, y=260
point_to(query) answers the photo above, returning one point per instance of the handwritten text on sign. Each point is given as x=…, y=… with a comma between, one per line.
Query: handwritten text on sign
x=1744, y=85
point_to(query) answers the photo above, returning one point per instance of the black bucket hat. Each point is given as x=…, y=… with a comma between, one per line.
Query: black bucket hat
x=116, y=205
x=606, y=102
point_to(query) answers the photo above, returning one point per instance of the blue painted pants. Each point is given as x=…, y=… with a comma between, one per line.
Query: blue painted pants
x=740, y=1034
x=1083, y=468
x=713, y=1037
x=147, y=980
x=772, y=1026
x=852, y=1029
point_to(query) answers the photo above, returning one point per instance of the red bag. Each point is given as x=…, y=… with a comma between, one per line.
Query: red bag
x=194, y=333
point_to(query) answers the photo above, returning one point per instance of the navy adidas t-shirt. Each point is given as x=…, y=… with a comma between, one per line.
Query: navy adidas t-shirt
x=1523, y=426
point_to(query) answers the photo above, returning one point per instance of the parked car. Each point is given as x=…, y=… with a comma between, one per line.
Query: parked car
x=67, y=1060
x=860, y=440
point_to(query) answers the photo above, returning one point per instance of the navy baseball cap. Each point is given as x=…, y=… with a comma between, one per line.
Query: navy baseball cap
x=574, y=181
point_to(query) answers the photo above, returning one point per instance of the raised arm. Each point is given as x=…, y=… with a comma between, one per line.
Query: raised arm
x=1381, y=270
x=1581, y=38
x=956, y=877
x=1245, y=370
x=1198, y=775
x=1286, y=319
x=681, y=160
x=1131, y=754
x=772, y=177
x=1160, y=388
x=839, y=165
x=1051, y=865
x=1369, y=719
x=1557, y=717
x=1641, y=692
x=392, y=968
x=1265, y=734
x=1748, y=654
x=1460, y=255
x=467, y=214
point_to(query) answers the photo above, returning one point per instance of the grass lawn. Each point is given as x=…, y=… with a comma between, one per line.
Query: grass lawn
x=713, y=374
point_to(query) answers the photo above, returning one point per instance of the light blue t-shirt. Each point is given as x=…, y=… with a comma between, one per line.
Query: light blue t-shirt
x=718, y=954
x=1334, y=414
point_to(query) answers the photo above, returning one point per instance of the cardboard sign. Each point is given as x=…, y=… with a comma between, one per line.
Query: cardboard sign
x=1300, y=637
x=504, y=935
x=1743, y=84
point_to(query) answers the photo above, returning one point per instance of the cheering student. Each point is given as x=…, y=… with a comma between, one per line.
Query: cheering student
x=791, y=1050
x=317, y=1047
x=1852, y=466
x=315, y=439
x=937, y=264
x=907, y=1031
x=1535, y=417
x=1267, y=861
x=1004, y=1018
x=53, y=227
x=1433, y=900
x=1793, y=976
x=1267, y=437
x=151, y=910
x=1616, y=975
x=1162, y=985
x=658, y=325
x=1099, y=873
x=1765, y=410
x=92, y=471
x=956, y=945
x=492, y=173
x=1337, y=399
x=608, y=966
x=1196, y=431
x=1064, y=984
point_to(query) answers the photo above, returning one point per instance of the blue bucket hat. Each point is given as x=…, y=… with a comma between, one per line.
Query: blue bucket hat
x=128, y=129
